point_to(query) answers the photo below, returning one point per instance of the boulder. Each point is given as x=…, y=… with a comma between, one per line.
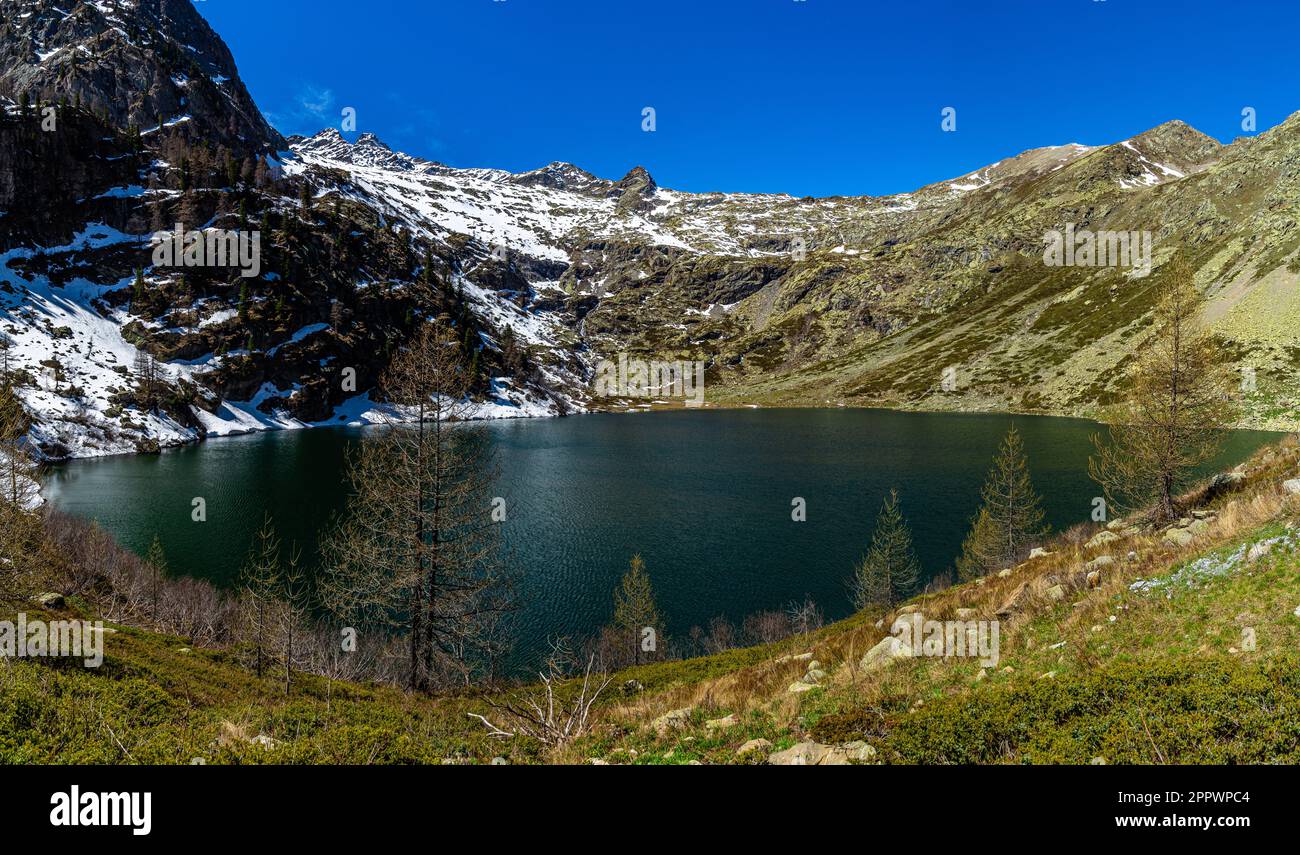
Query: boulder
x=1101, y=538
x=804, y=754
x=815, y=754
x=672, y=720
x=858, y=751
x=1178, y=537
x=800, y=686
x=1039, y=552
x=1258, y=551
x=1004, y=573
x=1056, y=593
x=1226, y=482
x=886, y=652
x=1099, y=562
x=1292, y=487
x=754, y=745
x=721, y=723
x=49, y=600
x=1199, y=528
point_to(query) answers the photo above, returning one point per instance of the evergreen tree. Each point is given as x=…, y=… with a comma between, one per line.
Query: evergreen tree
x=1010, y=519
x=890, y=571
x=1178, y=406
x=157, y=561
x=260, y=581
x=980, y=551
x=635, y=611
x=16, y=466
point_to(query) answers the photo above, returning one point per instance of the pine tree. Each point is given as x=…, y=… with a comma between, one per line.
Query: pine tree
x=157, y=561
x=16, y=466
x=260, y=581
x=1178, y=405
x=980, y=551
x=890, y=571
x=1010, y=519
x=635, y=611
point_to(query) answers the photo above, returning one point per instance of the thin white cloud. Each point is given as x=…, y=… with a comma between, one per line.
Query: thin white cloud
x=316, y=100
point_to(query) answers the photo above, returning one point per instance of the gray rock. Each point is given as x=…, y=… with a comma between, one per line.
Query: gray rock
x=49, y=600
x=1258, y=551
x=1178, y=537
x=754, y=745
x=814, y=754
x=886, y=652
x=1056, y=592
x=671, y=720
x=1101, y=538
x=1292, y=487
x=721, y=723
x=804, y=754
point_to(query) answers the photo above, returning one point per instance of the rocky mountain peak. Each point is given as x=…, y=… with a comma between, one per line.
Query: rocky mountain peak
x=559, y=175
x=139, y=63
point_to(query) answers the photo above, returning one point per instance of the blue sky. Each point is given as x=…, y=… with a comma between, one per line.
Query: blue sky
x=810, y=97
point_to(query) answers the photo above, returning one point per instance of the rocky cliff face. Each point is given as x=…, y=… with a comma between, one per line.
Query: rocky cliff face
x=137, y=63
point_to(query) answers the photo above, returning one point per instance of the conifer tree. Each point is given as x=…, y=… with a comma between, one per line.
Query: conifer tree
x=981, y=550
x=417, y=552
x=1010, y=519
x=157, y=561
x=260, y=581
x=890, y=571
x=16, y=466
x=1178, y=405
x=635, y=611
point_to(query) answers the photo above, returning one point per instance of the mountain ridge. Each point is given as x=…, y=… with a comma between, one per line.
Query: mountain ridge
x=789, y=301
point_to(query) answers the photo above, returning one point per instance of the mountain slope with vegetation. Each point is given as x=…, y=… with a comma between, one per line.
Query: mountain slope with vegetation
x=1176, y=651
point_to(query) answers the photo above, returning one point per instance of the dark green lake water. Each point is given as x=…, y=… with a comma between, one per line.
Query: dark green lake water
x=705, y=497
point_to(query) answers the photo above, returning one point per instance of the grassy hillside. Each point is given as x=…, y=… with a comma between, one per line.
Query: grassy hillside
x=1149, y=663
